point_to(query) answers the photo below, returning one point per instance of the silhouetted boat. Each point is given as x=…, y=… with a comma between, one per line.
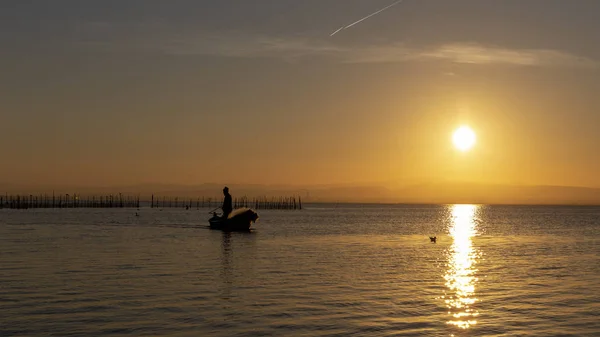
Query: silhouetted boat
x=239, y=220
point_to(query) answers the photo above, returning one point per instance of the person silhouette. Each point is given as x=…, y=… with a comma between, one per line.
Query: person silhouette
x=227, y=203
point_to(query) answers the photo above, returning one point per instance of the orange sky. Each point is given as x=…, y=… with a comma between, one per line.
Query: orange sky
x=260, y=94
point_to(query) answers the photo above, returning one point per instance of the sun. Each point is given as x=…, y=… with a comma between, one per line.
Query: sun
x=464, y=138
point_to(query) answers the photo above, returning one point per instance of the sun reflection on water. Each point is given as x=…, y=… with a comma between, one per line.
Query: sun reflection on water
x=460, y=274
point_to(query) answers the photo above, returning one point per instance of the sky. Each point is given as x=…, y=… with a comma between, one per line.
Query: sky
x=103, y=93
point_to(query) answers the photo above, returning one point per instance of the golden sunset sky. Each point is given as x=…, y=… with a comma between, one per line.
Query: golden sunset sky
x=106, y=93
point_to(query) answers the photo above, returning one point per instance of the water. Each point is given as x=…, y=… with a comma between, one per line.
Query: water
x=362, y=270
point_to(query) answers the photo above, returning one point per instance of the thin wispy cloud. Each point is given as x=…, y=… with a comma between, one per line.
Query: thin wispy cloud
x=251, y=46
x=302, y=47
x=478, y=54
x=243, y=45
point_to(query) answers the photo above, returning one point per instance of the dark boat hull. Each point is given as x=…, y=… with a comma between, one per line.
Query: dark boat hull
x=227, y=225
x=241, y=220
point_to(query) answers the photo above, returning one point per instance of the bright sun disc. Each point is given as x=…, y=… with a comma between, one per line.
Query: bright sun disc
x=464, y=138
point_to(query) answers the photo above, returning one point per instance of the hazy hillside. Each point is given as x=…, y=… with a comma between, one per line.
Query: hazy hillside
x=426, y=193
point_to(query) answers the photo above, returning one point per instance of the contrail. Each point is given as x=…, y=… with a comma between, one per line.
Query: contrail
x=337, y=31
x=366, y=17
x=370, y=15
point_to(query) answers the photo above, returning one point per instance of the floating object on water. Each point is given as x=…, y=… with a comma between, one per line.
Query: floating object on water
x=433, y=239
x=239, y=220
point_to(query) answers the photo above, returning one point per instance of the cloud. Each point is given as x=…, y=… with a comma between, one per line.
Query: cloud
x=478, y=54
x=251, y=46
x=236, y=44
x=301, y=47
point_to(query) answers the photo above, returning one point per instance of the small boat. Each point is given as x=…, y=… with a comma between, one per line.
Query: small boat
x=239, y=220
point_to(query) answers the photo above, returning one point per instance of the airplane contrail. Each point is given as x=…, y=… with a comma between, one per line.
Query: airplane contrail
x=337, y=31
x=366, y=17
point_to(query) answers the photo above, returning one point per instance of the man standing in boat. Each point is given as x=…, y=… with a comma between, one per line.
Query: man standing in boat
x=227, y=204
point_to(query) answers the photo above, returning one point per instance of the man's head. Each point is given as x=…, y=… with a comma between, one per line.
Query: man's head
x=225, y=190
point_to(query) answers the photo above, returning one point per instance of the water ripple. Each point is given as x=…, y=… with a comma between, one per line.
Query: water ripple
x=349, y=271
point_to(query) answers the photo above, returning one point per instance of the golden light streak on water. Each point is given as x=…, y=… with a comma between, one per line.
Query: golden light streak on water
x=460, y=274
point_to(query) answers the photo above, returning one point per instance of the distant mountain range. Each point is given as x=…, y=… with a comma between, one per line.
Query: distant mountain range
x=442, y=193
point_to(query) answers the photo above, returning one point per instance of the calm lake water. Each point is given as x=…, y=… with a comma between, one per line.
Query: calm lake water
x=351, y=270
